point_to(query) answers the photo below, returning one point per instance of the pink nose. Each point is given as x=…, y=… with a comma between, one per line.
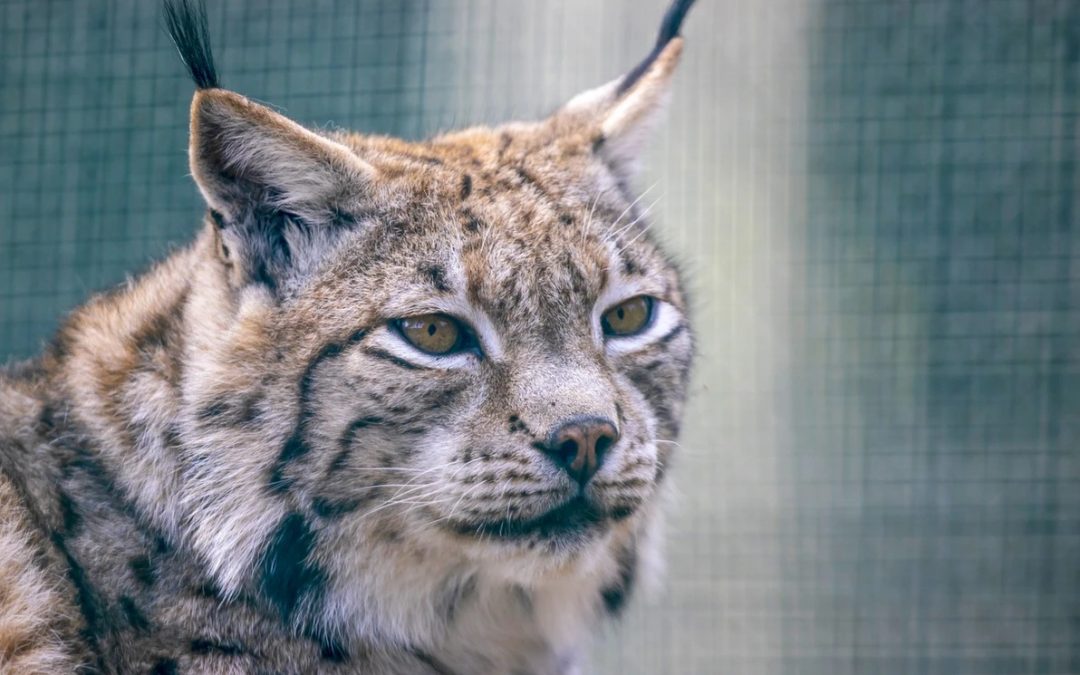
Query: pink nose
x=579, y=444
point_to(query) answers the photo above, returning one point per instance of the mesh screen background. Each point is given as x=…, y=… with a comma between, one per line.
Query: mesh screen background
x=875, y=204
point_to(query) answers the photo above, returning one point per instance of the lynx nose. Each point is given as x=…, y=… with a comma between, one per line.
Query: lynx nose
x=578, y=445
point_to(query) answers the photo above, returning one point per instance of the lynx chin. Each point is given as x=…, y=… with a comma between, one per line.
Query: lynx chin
x=400, y=407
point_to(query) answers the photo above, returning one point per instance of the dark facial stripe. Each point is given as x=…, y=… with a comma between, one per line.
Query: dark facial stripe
x=354, y=427
x=431, y=662
x=296, y=447
x=346, y=441
x=288, y=577
x=387, y=356
x=672, y=334
x=206, y=646
x=238, y=412
x=330, y=509
x=466, y=186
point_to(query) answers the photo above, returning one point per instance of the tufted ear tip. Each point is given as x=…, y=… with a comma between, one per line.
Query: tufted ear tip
x=670, y=26
x=620, y=115
x=185, y=21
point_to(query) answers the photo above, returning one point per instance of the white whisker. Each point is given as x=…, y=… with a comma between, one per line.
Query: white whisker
x=612, y=236
x=631, y=206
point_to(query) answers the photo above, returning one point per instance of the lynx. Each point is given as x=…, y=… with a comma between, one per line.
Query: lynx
x=400, y=407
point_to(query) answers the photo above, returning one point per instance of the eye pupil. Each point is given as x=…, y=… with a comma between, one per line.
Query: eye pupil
x=621, y=313
x=431, y=329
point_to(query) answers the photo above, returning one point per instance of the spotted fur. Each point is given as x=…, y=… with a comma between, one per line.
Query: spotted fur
x=234, y=463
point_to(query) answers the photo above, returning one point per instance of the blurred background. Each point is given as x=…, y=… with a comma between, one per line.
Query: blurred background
x=875, y=202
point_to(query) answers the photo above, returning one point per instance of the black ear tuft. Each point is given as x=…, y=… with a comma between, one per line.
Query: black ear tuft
x=186, y=22
x=669, y=29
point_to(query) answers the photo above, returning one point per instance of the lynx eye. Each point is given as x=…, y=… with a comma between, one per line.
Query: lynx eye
x=629, y=317
x=434, y=333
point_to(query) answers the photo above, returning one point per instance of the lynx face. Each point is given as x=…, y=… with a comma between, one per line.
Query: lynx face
x=481, y=346
x=514, y=350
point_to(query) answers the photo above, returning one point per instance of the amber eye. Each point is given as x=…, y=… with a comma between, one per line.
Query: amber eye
x=433, y=333
x=629, y=317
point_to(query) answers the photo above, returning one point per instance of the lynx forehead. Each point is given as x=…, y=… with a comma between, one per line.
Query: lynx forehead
x=400, y=407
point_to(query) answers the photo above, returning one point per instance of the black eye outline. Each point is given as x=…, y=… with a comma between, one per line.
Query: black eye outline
x=466, y=342
x=650, y=308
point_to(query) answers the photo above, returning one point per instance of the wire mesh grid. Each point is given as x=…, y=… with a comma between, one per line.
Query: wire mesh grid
x=875, y=204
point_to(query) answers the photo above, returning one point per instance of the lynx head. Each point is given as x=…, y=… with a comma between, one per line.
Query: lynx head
x=462, y=354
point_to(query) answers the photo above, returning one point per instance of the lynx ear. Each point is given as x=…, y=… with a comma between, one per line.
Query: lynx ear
x=621, y=114
x=275, y=189
x=245, y=157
